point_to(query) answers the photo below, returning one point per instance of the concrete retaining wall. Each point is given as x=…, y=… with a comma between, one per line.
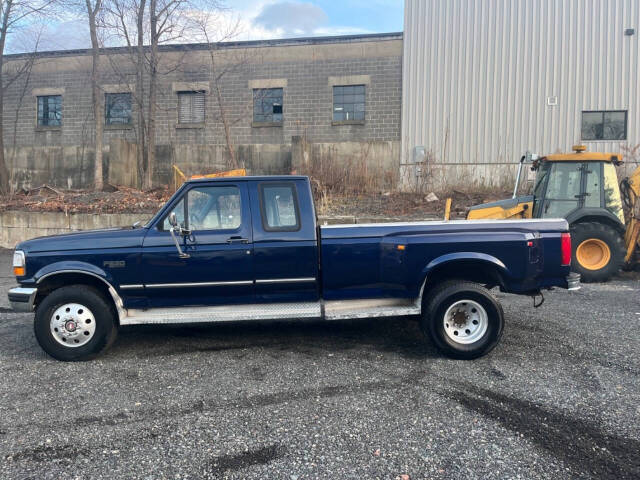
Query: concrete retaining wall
x=72, y=167
x=17, y=226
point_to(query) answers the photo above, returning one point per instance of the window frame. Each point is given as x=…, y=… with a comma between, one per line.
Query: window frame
x=48, y=125
x=191, y=94
x=603, y=112
x=263, y=214
x=185, y=197
x=106, y=118
x=351, y=121
x=270, y=123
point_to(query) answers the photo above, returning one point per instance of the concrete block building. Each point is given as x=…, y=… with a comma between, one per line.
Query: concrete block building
x=285, y=101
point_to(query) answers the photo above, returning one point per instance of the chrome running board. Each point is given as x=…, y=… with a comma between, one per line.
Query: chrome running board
x=224, y=313
x=370, y=308
x=333, y=310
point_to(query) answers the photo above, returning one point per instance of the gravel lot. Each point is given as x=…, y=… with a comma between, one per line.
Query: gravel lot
x=558, y=398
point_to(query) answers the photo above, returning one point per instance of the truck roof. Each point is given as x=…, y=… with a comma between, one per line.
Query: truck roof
x=248, y=178
x=583, y=156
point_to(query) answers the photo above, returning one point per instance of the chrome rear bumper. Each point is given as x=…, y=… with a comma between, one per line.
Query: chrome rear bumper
x=22, y=299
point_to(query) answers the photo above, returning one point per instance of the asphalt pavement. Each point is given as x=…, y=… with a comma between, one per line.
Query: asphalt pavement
x=558, y=398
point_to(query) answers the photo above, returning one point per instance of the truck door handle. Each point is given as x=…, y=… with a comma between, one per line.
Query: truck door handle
x=237, y=240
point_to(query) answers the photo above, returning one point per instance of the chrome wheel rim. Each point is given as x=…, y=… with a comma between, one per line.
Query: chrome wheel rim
x=465, y=322
x=72, y=325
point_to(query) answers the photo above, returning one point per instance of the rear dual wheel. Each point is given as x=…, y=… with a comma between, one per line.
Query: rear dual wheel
x=463, y=319
x=598, y=251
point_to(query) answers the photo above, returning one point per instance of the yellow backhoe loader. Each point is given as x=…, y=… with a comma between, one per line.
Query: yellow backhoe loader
x=582, y=187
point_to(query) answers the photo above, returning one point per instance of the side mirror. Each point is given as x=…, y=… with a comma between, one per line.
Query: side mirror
x=173, y=220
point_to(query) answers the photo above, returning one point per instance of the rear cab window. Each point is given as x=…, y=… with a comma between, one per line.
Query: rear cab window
x=279, y=207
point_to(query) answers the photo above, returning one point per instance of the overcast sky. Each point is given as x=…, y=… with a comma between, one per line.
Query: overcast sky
x=257, y=19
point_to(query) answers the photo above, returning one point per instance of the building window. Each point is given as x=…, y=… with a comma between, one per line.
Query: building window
x=50, y=111
x=190, y=107
x=267, y=105
x=604, y=125
x=117, y=109
x=348, y=103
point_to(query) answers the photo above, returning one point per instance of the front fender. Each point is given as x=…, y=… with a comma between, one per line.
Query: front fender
x=71, y=266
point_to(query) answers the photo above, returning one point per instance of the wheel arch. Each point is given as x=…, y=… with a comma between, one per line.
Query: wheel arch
x=470, y=266
x=596, y=215
x=53, y=280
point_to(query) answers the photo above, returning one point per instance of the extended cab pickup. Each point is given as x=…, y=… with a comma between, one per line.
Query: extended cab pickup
x=250, y=248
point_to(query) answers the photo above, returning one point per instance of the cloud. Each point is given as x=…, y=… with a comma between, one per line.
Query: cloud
x=292, y=18
x=248, y=20
x=64, y=35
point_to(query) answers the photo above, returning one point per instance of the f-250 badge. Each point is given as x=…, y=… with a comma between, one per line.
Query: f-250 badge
x=113, y=263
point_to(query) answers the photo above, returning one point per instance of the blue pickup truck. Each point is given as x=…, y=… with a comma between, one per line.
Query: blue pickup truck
x=250, y=248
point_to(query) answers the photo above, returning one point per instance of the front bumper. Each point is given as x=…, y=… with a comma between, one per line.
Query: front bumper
x=22, y=299
x=573, y=281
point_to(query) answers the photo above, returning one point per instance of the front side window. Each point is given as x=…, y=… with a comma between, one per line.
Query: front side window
x=117, y=108
x=604, y=125
x=279, y=206
x=208, y=208
x=267, y=105
x=50, y=111
x=191, y=107
x=348, y=103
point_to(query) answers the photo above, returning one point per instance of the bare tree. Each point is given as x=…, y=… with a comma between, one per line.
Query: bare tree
x=125, y=21
x=213, y=33
x=94, y=10
x=14, y=14
x=144, y=25
x=169, y=21
x=27, y=68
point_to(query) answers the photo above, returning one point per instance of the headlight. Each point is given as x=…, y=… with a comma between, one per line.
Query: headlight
x=19, y=263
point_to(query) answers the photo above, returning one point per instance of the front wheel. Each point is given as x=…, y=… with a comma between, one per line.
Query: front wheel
x=463, y=319
x=75, y=323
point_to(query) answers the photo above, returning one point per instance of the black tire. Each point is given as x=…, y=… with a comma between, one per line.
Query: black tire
x=102, y=310
x=454, y=292
x=580, y=232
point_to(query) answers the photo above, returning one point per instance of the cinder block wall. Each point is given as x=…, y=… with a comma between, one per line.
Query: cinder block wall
x=306, y=69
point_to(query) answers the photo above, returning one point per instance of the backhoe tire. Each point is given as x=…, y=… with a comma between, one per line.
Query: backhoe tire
x=463, y=319
x=597, y=251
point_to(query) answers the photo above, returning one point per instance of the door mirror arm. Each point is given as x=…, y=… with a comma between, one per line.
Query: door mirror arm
x=173, y=221
x=181, y=254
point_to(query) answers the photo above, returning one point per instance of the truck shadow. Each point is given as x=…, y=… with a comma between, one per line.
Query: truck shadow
x=401, y=336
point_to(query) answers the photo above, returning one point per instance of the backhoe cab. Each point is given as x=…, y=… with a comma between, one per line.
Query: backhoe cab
x=581, y=187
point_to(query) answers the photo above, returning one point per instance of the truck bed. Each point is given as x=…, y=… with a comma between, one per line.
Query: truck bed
x=394, y=259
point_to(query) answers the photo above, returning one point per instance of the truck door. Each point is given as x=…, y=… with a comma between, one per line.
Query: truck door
x=285, y=243
x=219, y=269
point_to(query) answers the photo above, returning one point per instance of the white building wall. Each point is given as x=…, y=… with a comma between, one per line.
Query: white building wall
x=477, y=75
